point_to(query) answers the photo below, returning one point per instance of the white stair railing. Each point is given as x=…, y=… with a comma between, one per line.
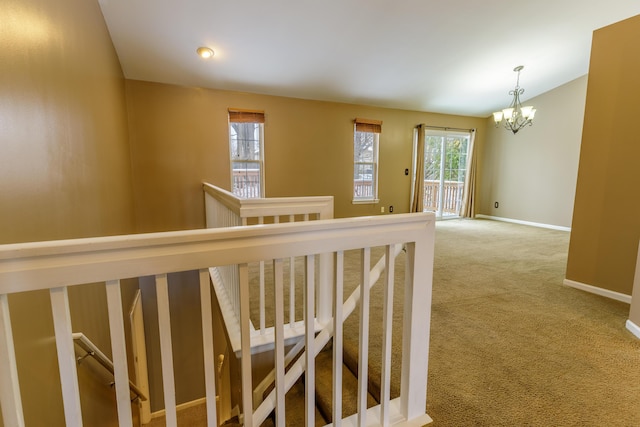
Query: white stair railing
x=334, y=330
x=58, y=265
x=224, y=209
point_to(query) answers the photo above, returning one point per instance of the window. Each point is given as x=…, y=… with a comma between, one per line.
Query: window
x=445, y=170
x=365, y=160
x=246, y=136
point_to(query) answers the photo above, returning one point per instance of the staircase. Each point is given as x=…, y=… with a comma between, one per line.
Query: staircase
x=350, y=355
x=294, y=402
x=324, y=386
x=337, y=275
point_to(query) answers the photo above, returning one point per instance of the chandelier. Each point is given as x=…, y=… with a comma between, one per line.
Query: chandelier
x=515, y=116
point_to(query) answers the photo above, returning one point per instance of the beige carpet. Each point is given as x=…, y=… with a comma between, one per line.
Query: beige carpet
x=510, y=345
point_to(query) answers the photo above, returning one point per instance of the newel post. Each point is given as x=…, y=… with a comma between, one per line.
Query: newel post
x=324, y=290
x=417, y=322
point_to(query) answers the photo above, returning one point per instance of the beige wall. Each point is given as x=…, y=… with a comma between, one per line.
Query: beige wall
x=64, y=173
x=606, y=219
x=179, y=138
x=64, y=159
x=532, y=174
x=634, y=313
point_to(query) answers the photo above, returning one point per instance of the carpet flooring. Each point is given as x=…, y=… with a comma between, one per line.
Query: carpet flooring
x=511, y=345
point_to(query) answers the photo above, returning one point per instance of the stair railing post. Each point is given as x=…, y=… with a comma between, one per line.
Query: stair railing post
x=324, y=290
x=324, y=295
x=416, y=323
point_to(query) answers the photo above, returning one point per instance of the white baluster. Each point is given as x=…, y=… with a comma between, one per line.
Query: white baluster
x=262, y=302
x=292, y=284
x=292, y=291
x=309, y=323
x=66, y=356
x=337, y=339
x=363, y=359
x=207, y=346
x=245, y=344
x=119, y=352
x=387, y=328
x=166, y=350
x=10, y=401
x=278, y=284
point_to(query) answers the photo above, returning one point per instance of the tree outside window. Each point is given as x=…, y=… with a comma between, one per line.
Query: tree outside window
x=365, y=160
x=246, y=130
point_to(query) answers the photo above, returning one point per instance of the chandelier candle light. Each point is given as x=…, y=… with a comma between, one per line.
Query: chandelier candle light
x=516, y=116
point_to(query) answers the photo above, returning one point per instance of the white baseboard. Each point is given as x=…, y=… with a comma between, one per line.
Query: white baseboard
x=598, y=291
x=633, y=328
x=517, y=221
x=180, y=407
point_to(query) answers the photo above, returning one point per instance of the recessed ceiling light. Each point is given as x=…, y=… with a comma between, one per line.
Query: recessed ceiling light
x=205, y=52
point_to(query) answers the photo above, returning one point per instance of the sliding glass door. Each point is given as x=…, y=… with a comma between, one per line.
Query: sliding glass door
x=445, y=170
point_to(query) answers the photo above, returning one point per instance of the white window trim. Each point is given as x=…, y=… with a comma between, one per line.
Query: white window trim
x=260, y=161
x=376, y=169
x=365, y=201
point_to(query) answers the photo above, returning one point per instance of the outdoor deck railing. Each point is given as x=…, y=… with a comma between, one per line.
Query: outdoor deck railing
x=451, y=197
x=245, y=183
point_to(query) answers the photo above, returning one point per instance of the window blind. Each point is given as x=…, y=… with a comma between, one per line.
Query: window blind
x=367, y=125
x=246, y=116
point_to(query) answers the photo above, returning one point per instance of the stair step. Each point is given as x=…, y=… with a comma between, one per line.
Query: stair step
x=294, y=401
x=294, y=408
x=374, y=370
x=324, y=388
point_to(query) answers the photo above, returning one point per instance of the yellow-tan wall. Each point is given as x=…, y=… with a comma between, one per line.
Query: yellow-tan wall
x=64, y=173
x=64, y=163
x=606, y=218
x=532, y=174
x=634, y=313
x=179, y=138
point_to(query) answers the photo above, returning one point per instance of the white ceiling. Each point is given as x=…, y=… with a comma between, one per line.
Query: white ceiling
x=446, y=56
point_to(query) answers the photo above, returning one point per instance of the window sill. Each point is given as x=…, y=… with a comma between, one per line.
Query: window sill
x=365, y=201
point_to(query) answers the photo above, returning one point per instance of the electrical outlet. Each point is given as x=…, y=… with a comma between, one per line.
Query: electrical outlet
x=391, y=209
x=496, y=205
x=382, y=209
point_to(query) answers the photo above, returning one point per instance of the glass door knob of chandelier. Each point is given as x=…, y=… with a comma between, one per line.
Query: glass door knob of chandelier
x=515, y=116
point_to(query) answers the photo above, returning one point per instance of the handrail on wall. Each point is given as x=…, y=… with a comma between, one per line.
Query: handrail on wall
x=93, y=351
